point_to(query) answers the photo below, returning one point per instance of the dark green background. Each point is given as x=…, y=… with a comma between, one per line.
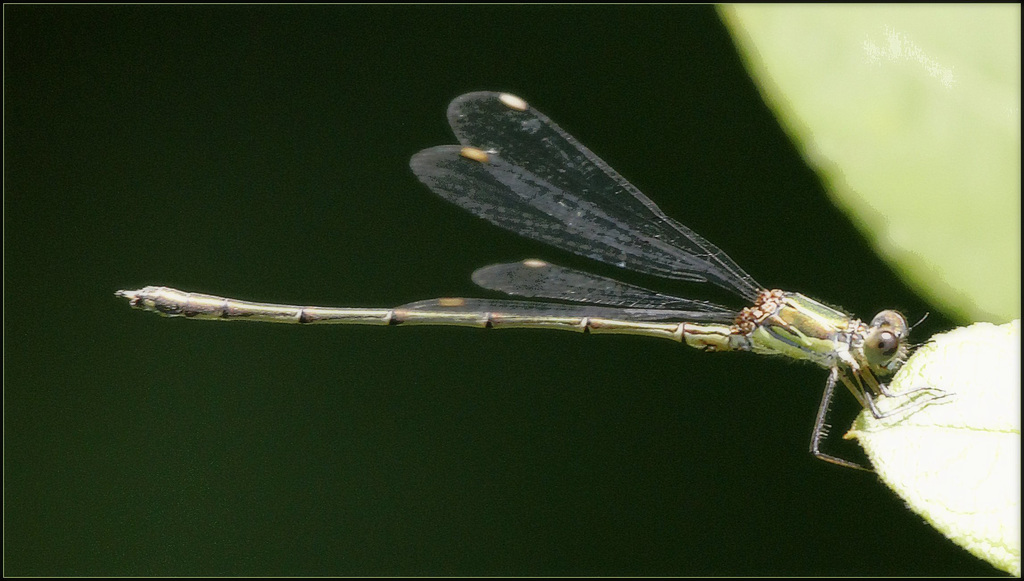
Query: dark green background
x=261, y=152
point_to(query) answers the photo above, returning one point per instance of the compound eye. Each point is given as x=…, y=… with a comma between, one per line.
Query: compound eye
x=884, y=340
x=892, y=320
x=884, y=343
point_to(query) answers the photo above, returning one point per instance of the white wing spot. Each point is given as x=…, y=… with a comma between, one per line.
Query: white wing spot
x=513, y=102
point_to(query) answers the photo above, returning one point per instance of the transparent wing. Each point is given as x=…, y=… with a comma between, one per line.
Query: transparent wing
x=538, y=181
x=538, y=279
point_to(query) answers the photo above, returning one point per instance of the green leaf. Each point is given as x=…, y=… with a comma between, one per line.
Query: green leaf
x=956, y=461
x=911, y=115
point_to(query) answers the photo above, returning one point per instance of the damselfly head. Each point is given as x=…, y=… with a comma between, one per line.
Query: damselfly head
x=885, y=343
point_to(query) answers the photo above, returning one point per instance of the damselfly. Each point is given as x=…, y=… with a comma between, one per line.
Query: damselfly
x=518, y=170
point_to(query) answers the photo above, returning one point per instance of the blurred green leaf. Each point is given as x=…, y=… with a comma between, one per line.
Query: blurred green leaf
x=956, y=461
x=911, y=115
